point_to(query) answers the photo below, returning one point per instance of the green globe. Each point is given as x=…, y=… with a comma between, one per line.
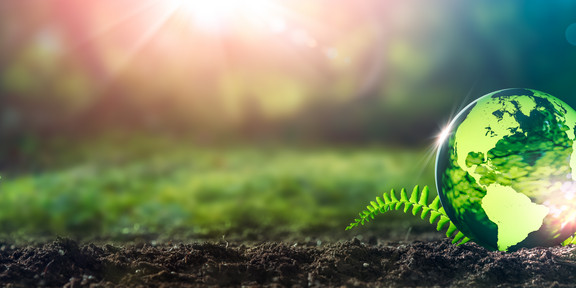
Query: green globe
x=506, y=170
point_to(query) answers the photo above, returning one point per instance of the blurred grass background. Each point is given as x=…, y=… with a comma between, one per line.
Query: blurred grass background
x=175, y=188
x=212, y=117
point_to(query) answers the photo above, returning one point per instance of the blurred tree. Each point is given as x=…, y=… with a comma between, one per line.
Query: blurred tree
x=372, y=71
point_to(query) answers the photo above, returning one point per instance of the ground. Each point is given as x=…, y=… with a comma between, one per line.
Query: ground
x=171, y=215
x=371, y=262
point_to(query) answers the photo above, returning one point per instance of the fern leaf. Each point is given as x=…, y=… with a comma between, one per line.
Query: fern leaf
x=380, y=201
x=414, y=196
x=416, y=208
x=435, y=204
x=459, y=236
x=353, y=224
x=425, y=211
x=451, y=229
x=441, y=210
x=370, y=209
x=418, y=201
x=434, y=215
x=464, y=239
x=443, y=221
x=424, y=196
x=404, y=196
x=407, y=206
x=570, y=240
x=393, y=196
x=384, y=208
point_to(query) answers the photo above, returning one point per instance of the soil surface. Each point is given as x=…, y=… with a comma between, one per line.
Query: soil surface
x=277, y=264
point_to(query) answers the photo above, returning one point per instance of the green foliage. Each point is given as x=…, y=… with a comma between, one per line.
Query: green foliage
x=570, y=240
x=418, y=202
x=172, y=186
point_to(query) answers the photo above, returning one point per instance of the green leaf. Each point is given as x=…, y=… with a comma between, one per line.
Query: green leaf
x=451, y=229
x=416, y=208
x=434, y=215
x=418, y=201
x=570, y=240
x=436, y=203
x=375, y=205
x=393, y=196
x=460, y=236
x=425, y=211
x=441, y=210
x=464, y=239
x=424, y=196
x=443, y=221
x=387, y=198
x=380, y=202
x=414, y=195
x=403, y=195
x=385, y=208
x=407, y=207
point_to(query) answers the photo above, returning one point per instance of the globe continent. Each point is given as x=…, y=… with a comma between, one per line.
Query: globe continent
x=506, y=172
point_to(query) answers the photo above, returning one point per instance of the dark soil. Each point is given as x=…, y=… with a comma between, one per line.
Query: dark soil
x=349, y=263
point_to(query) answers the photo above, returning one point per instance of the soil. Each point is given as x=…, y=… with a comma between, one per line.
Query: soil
x=351, y=263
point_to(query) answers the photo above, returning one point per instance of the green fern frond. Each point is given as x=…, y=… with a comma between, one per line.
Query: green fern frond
x=570, y=240
x=418, y=202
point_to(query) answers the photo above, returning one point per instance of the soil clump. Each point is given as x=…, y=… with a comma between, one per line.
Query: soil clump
x=65, y=263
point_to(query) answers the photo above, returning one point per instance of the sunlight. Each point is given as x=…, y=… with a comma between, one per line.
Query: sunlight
x=213, y=15
x=444, y=134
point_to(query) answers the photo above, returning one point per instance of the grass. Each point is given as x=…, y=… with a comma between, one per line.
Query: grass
x=145, y=186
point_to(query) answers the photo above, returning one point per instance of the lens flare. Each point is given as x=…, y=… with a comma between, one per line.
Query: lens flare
x=444, y=134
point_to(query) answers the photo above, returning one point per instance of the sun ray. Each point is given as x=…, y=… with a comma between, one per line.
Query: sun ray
x=147, y=36
x=419, y=168
x=442, y=135
x=89, y=39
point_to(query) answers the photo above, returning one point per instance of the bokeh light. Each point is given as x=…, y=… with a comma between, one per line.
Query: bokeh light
x=264, y=62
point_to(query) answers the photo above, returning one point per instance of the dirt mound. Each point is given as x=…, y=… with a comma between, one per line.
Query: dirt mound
x=350, y=263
